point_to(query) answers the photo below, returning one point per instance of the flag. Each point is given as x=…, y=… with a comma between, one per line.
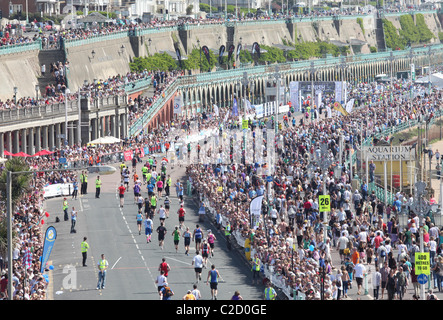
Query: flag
x=220, y=54
x=206, y=53
x=50, y=237
x=216, y=112
x=27, y=258
x=239, y=46
x=339, y=107
x=235, y=108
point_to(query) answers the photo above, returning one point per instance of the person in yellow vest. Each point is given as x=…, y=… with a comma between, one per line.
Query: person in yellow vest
x=65, y=209
x=189, y=296
x=84, y=249
x=102, y=267
x=270, y=293
x=168, y=185
x=98, y=185
x=256, y=263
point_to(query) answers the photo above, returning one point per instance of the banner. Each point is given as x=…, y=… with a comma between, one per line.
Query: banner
x=259, y=111
x=349, y=105
x=294, y=95
x=339, y=107
x=235, y=108
x=256, y=49
x=50, y=236
x=221, y=52
x=57, y=190
x=146, y=150
x=178, y=103
x=127, y=155
x=255, y=209
x=318, y=99
x=206, y=53
x=216, y=112
x=338, y=91
x=239, y=46
x=230, y=51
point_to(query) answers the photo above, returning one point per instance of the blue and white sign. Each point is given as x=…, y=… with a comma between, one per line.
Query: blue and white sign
x=50, y=236
x=422, y=278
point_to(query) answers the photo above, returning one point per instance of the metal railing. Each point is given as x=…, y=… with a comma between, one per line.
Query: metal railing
x=21, y=47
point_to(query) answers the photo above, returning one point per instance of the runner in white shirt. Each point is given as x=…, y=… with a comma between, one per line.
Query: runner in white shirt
x=197, y=262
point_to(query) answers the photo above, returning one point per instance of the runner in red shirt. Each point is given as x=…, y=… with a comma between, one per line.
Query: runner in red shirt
x=121, y=193
x=164, y=266
x=181, y=216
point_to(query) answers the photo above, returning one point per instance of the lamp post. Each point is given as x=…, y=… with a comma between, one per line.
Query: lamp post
x=277, y=79
x=200, y=62
x=412, y=67
x=430, y=53
x=244, y=82
x=420, y=206
x=391, y=60
x=312, y=71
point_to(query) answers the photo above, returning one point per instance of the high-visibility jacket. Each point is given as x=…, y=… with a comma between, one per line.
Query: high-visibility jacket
x=84, y=246
x=256, y=265
x=269, y=294
x=169, y=182
x=65, y=205
x=98, y=183
x=102, y=264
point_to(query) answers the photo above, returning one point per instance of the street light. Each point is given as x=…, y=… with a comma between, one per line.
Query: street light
x=421, y=207
x=244, y=82
x=200, y=62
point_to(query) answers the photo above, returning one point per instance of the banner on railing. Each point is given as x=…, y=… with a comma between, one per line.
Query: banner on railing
x=127, y=155
x=57, y=190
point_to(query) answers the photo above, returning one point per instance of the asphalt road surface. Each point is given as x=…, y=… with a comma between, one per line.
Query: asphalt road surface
x=133, y=263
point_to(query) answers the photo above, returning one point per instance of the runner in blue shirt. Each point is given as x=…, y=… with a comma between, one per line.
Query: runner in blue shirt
x=213, y=276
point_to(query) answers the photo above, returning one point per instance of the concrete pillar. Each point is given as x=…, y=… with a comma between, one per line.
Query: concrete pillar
x=102, y=126
x=45, y=137
x=112, y=125
x=2, y=144
x=51, y=133
x=117, y=125
x=94, y=129
x=23, y=139
x=16, y=141
x=38, y=139
x=30, y=141
x=71, y=133
x=57, y=136
x=8, y=141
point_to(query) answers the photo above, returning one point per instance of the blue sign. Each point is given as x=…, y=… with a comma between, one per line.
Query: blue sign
x=62, y=160
x=422, y=278
x=50, y=236
x=269, y=178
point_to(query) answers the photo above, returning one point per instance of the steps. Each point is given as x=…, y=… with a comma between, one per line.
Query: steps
x=380, y=35
x=47, y=57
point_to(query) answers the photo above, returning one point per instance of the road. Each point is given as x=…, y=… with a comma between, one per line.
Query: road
x=133, y=263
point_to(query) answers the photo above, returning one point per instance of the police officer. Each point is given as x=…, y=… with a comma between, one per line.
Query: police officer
x=256, y=269
x=84, y=249
x=98, y=185
x=102, y=267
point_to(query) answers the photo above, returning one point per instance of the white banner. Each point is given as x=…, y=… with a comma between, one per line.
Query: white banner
x=294, y=93
x=349, y=105
x=387, y=153
x=339, y=91
x=57, y=190
x=255, y=205
x=178, y=103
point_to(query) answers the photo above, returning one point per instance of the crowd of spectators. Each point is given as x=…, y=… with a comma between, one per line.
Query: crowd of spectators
x=356, y=219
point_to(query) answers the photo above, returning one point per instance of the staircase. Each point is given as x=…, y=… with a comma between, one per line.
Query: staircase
x=47, y=57
x=380, y=35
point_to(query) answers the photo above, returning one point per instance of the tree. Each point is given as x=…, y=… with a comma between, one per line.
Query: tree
x=20, y=186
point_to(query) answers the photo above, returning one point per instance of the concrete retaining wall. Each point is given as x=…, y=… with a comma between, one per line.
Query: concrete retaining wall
x=19, y=70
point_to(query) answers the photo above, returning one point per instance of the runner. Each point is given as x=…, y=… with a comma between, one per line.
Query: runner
x=213, y=275
x=176, y=234
x=197, y=262
x=211, y=240
x=165, y=267
x=181, y=216
x=161, y=230
x=167, y=206
x=121, y=193
x=187, y=236
x=205, y=252
x=139, y=221
x=149, y=225
x=161, y=214
x=197, y=237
